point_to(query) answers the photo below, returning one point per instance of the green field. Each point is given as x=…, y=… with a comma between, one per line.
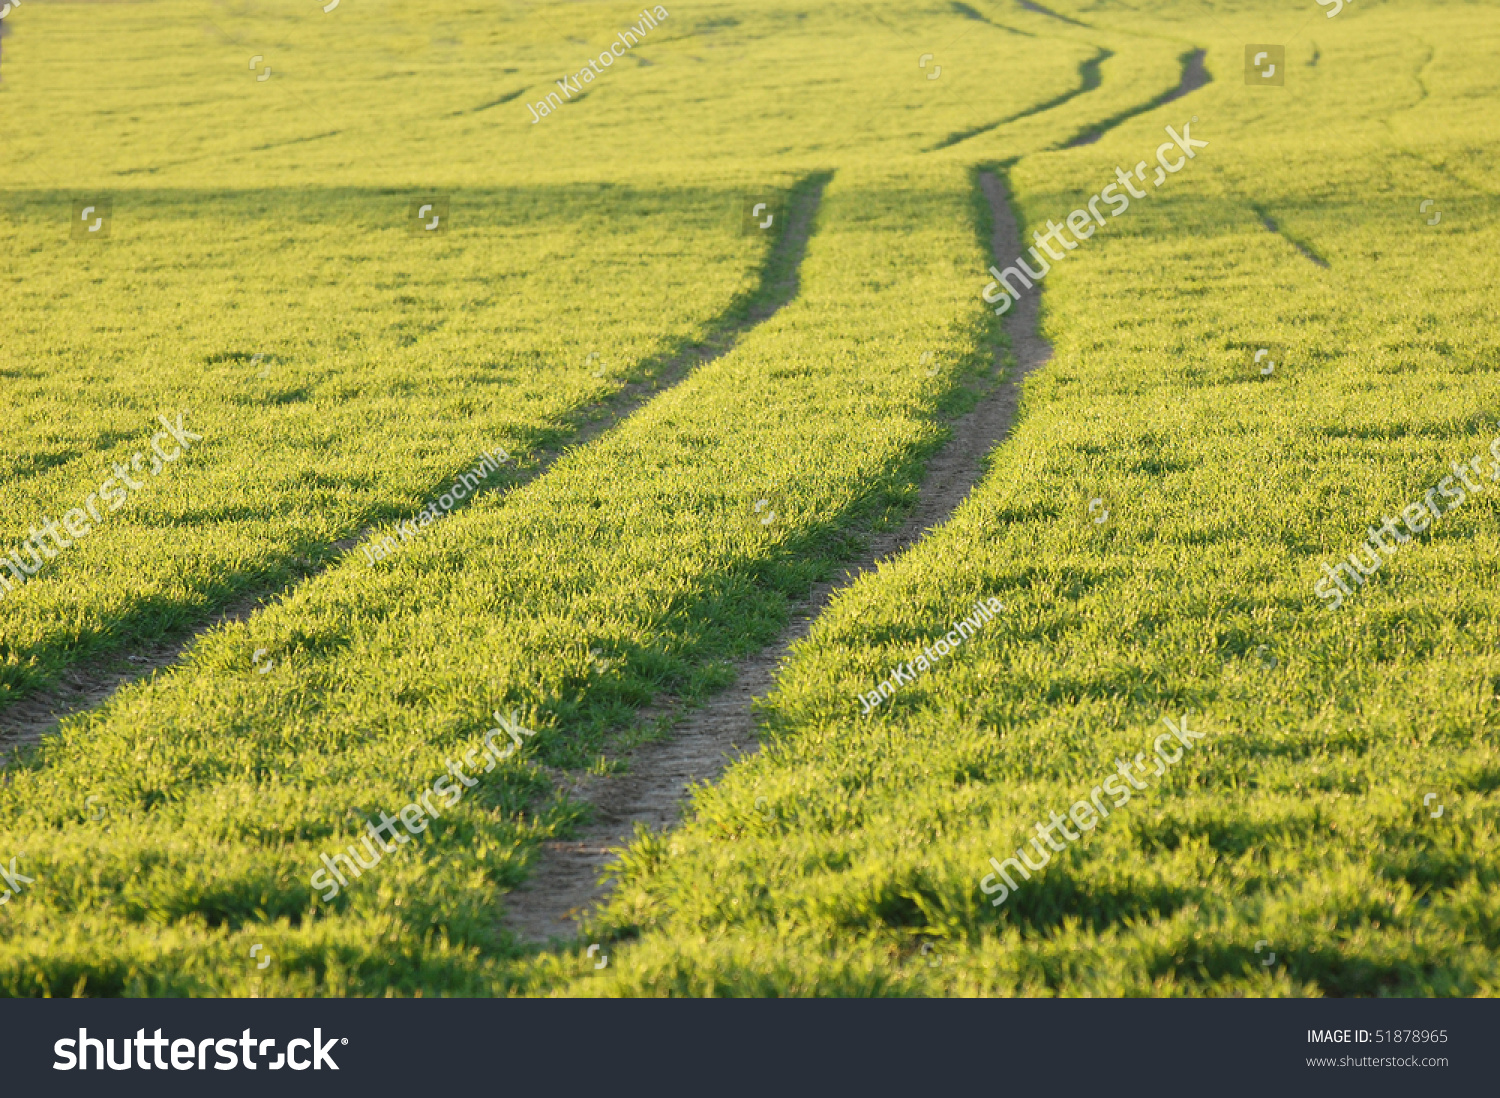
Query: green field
x=660, y=374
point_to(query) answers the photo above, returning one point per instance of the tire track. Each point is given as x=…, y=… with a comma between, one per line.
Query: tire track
x=1270, y=224
x=1039, y=10
x=1194, y=76
x=1089, y=79
x=564, y=885
x=90, y=684
x=487, y=106
x=979, y=17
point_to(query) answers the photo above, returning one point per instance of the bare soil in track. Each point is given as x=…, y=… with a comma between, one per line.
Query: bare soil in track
x=88, y=685
x=564, y=886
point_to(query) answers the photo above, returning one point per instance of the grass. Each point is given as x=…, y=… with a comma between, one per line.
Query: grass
x=825, y=863
x=392, y=361
x=382, y=672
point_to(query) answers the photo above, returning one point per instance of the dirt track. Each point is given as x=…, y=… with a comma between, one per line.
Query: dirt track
x=564, y=885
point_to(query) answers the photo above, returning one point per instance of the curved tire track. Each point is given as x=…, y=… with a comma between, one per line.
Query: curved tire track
x=1194, y=76
x=1089, y=78
x=1039, y=10
x=91, y=683
x=564, y=886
